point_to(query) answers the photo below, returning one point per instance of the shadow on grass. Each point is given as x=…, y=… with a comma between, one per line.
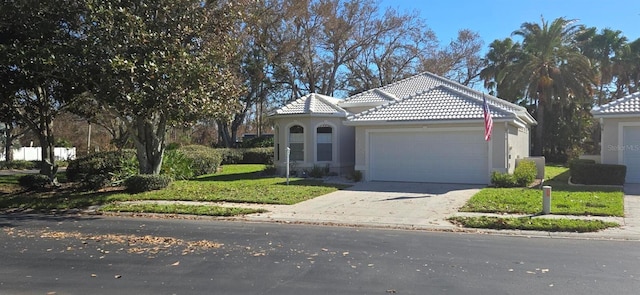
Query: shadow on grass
x=561, y=182
x=234, y=177
x=51, y=201
x=313, y=182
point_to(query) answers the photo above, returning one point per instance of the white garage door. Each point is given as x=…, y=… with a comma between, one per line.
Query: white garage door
x=447, y=157
x=631, y=152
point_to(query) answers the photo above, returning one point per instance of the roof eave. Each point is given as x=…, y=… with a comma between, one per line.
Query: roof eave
x=615, y=115
x=337, y=115
x=416, y=122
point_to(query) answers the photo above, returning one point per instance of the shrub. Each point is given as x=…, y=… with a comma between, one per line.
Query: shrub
x=146, y=182
x=246, y=156
x=34, y=181
x=316, y=172
x=18, y=165
x=270, y=170
x=356, y=175
x=177, y=165
x=230, y=156
x=583, y=172
x=525, y=173
x=258, y=142
x=113, y=165
x=257, y=156
x=204, y=160
x=499, y=179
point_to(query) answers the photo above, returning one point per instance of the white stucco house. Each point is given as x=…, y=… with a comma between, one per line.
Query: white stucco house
x=421, y=129
x=620, y=134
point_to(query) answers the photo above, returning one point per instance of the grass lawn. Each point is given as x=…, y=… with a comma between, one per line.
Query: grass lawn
x=179, y=209
x=236, y=183
x=526, y=223
x=239, y=184
x=565, y=199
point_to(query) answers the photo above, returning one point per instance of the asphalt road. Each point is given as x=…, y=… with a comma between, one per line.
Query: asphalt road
x=45, y=255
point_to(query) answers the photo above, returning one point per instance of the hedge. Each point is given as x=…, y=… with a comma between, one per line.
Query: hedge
x=146, y=182
x=588, y=172
x=34, y=181
x=103, y=168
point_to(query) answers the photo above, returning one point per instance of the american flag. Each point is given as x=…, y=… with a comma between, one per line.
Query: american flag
x=488, y=121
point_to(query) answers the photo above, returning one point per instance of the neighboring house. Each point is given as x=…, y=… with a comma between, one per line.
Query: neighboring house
x=620, y=136
x=421, y=129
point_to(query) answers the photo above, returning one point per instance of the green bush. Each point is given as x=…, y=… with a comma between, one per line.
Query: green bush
x=270, y=170
x=356, y=175
x=257, y=156
x=246, y=156
x=525, y=173
x=146, y=182
x=258, y=142
x=18, y=165
x=34, y=181
x=499, y=179
x=583, y=172
x=317, y=172
x=113, y=165
x=204, y=160
x=230, y=156
x=177, y=165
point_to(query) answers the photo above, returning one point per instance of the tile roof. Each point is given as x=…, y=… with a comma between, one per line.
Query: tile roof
x=312, y=104
x=627, y=105
x=404, y=88
x=440, y=103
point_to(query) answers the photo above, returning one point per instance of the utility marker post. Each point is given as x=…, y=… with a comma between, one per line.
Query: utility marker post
x=288, y=153
x=546, y=199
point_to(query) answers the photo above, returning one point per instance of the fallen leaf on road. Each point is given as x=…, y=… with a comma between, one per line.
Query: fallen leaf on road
x=176, y=263
x=93, y=275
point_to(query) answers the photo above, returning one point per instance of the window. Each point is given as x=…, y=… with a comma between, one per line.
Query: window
x=324, y=150
x=296, y=143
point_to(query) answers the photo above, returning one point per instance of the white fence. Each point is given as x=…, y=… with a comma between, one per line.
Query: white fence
x=35, y=154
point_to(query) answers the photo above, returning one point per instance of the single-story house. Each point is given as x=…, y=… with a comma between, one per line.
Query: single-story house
x=620, y=134
x=421, y=129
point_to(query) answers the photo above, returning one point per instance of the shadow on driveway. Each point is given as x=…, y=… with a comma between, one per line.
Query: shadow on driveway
x=428, y=189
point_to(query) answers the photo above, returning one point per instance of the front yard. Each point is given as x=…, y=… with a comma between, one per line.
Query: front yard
x=565, y=200
x=236, y=184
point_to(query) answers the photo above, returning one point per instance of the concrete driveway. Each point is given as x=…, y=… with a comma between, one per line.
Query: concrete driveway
x=379, y=204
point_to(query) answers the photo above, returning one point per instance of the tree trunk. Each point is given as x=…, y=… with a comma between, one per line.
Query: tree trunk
x=148, y=136
x=47, y=143
x=8, y=143
x=539, y=139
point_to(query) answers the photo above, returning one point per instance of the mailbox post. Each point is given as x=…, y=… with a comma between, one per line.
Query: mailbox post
x=288, y=153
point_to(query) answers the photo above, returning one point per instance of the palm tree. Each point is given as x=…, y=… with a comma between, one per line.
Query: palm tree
x=550, y=68
x=502, y=53
x=604, y=50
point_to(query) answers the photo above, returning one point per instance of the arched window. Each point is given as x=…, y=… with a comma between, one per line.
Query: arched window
x=296, y=143
x=324, y=141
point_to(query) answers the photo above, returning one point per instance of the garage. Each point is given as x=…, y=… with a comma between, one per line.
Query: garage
x=429, y=156
x=631, y=152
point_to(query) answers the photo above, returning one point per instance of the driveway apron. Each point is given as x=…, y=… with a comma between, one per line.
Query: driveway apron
x=383, y=204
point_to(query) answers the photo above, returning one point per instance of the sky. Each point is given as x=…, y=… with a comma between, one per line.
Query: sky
x=497, y=19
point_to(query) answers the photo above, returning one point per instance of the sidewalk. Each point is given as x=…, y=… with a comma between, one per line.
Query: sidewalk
x=419, y=206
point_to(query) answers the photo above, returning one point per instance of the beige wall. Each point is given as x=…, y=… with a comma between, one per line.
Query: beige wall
x=519, y=145
x=610, y=141
x=343, y=153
